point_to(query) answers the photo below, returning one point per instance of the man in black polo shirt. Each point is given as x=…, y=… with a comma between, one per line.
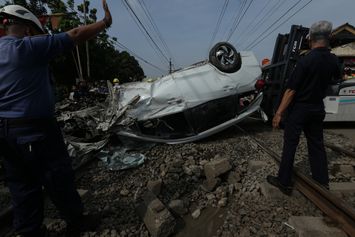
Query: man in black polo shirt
x=303, y=99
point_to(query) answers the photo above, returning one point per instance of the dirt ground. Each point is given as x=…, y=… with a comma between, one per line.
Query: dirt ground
x=235, y=207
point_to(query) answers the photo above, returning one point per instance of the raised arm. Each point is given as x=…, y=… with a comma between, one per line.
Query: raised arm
x=84, y=33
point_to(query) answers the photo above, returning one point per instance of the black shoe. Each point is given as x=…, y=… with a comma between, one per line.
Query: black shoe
x=287, y=190
x=87, y=223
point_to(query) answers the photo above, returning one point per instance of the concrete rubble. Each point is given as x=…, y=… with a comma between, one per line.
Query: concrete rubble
x=157, y=218
x=155, y=186
x=178, y=207
x=213, y=170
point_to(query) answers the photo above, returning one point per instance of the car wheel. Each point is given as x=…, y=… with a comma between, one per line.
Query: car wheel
x=225, y=57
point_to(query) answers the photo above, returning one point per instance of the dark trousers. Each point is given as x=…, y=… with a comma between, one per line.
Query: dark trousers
x=35, y=156
x=309, y=119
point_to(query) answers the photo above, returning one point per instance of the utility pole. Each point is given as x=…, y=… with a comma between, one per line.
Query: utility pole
x=79, y=62
x=87, y=45
x=170, y=66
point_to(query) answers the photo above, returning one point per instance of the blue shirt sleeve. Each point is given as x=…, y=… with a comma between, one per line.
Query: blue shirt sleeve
x=296, y=78
x=46, y=47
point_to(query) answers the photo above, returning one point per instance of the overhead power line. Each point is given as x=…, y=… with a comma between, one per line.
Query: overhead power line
x=237, y=15
x=275, y=22
x=239, y=21
x=122, y=46
x=141, y=25
x=248, y=27
x=258, y=42
x=162, y=59
x=156, y=29
x=268, y=15
x=221, y=15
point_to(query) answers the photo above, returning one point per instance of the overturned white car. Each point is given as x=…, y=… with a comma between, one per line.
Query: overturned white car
x=195, y=102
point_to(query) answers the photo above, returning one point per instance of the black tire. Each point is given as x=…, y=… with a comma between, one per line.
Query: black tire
x=225, y=57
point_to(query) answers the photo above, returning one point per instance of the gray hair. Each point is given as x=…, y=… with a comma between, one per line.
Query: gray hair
x=320, y=30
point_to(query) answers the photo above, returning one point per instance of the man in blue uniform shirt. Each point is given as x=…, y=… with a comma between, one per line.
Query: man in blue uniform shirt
x=303, y=99
x=31, y=142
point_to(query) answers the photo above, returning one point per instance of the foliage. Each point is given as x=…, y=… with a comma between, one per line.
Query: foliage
x=106, y=61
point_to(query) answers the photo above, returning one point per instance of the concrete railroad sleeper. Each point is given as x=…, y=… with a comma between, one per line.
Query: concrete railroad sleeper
x=335, y=208
x=6, y=215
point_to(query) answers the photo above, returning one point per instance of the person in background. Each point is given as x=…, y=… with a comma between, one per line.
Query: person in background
x=31, y=143
x=83, y=89
x=303, y=100
x=74, y=94
x=116, y=85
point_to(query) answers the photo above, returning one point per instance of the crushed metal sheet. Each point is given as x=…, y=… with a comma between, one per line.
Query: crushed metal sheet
x=80, y=148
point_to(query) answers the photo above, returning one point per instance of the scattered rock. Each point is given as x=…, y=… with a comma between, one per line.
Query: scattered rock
x=233, y=178
x=255, y=165
x=216, y=168
x=210, y=184
x=223, y=202
x=210, y=196
x=124, y=192
x=196, y=214
x=178, y=207
x=155, y=186
x=158, y=220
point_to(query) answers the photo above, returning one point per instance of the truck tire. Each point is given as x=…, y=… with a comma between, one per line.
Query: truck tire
x=225, y=57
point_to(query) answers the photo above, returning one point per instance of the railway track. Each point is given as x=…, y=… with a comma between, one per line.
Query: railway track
x=339, y=211
x=105, y=185
x=340, y=149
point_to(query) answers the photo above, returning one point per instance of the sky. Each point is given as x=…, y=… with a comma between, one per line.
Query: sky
x=187, y=26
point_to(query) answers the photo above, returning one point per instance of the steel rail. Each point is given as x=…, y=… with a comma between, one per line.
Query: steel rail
x=340, y=149
x=338, y=210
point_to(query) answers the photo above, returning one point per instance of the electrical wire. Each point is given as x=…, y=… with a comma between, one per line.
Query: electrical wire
x=239, y=21
x=147, y=38
x=260, y=24
x=221, y=15
x=145, y=30
x=156, y=29
x=275, y=22
x=268, y=15
x=122, y=46
x=252, y=46
x=237, y=15
x=248, y=27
